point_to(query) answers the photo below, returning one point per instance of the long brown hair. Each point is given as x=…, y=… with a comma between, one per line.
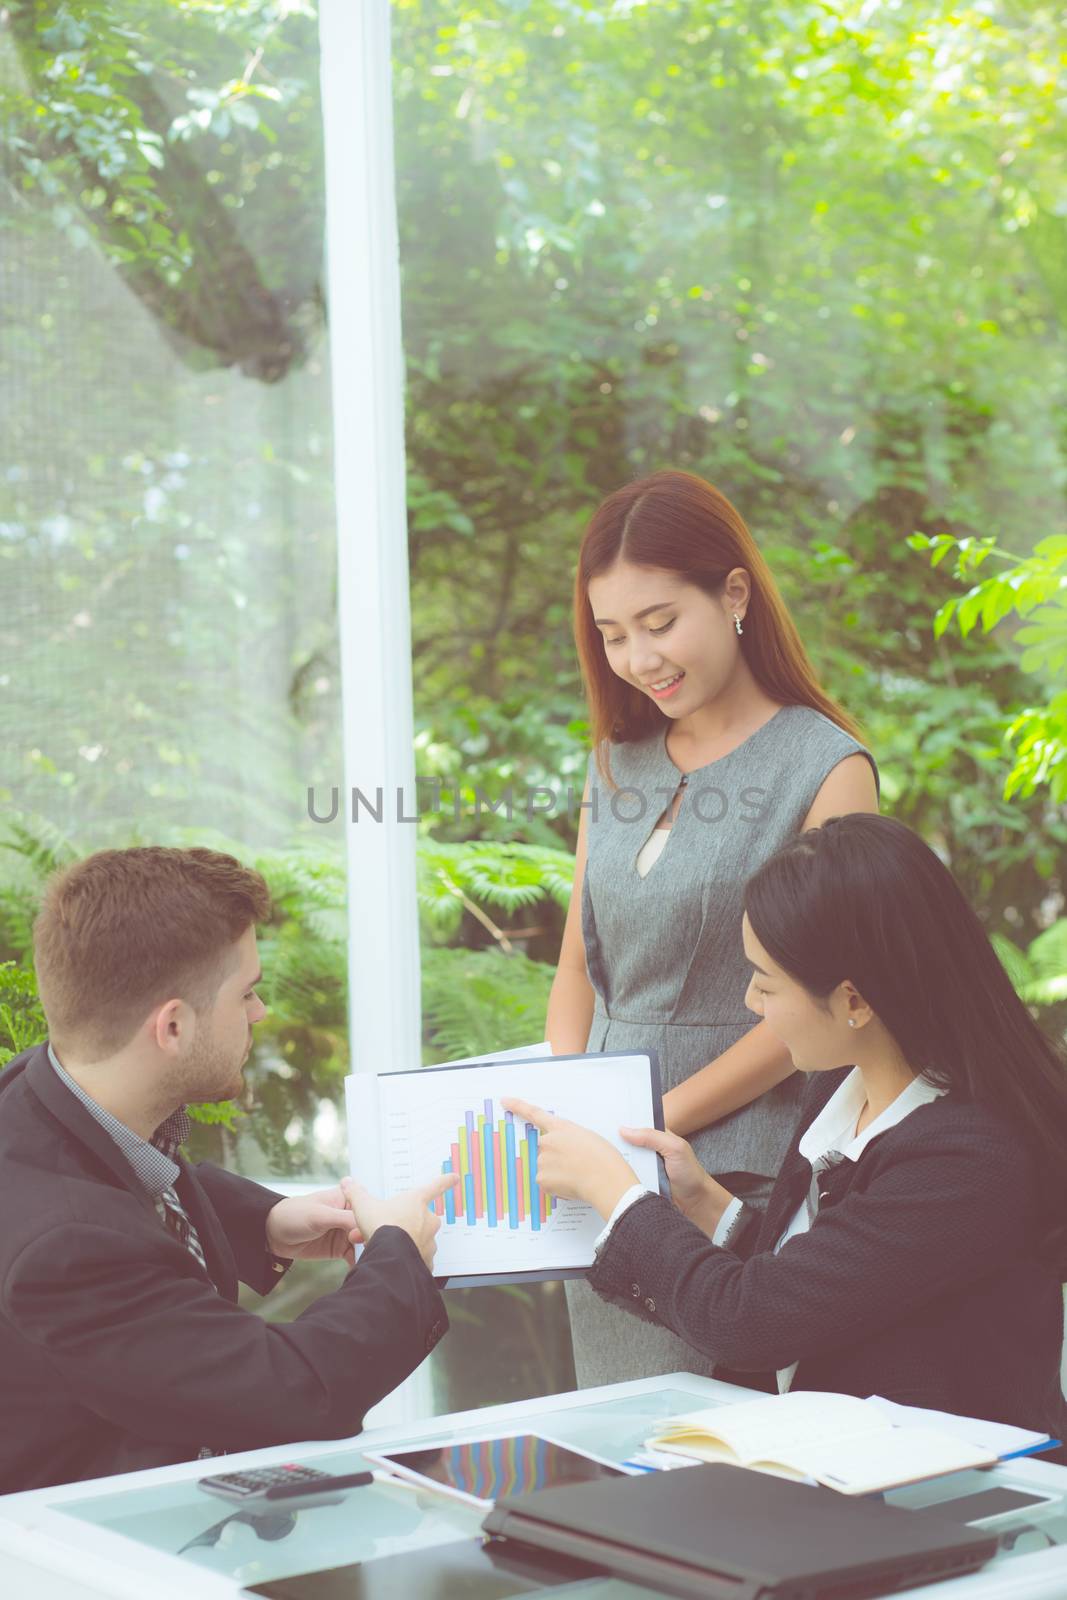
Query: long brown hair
x=677, y=522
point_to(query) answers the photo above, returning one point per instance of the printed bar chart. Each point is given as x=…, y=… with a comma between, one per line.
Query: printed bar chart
x=496, y=1221
x=496, y=1159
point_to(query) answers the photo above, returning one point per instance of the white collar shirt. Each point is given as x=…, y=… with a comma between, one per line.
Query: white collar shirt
x=835, y=1129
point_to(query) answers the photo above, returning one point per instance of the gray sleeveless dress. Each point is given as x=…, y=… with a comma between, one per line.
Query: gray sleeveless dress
x=665, y=958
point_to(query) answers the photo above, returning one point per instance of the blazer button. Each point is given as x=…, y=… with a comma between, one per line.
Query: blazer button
x=824, y=1194
x=635, y=1290
x=650, y=1305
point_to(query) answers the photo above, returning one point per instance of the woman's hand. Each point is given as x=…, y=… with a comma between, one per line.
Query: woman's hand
x=575, y=1162
x=694, y=1191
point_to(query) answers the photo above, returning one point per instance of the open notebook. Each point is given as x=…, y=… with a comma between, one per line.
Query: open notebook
x=851, y=1445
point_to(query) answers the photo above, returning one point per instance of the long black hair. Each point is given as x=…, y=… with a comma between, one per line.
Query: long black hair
x=864, y=898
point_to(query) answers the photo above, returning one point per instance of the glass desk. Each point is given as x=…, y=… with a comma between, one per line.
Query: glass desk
x=156, y=1532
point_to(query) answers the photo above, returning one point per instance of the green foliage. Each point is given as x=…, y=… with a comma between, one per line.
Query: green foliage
x=508, y=877
x=22, y=1023
x=1039, y=973
x=771, y=247
x=172, y=519
x=479, y=1001
x=31, y=849
x=1033, y=588
x=812, y=252
x=111, y=130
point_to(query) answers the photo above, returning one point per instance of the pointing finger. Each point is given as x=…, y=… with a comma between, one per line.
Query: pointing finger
x=438, y=1186
x=542, y=1120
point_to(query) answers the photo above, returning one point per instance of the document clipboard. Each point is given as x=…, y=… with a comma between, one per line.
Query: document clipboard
x=500, y=1231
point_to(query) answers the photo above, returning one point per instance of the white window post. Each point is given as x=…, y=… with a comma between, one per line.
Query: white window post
x=366, y=354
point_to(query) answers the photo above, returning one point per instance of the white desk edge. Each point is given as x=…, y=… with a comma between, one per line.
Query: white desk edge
x=38, y=1543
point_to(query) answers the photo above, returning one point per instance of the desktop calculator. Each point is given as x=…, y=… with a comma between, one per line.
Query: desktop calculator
x=286, y=1484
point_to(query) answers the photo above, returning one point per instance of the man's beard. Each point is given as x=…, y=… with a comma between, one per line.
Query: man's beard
x=210, y=1075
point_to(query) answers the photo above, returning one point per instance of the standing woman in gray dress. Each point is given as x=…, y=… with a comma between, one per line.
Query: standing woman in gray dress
x=712, y=744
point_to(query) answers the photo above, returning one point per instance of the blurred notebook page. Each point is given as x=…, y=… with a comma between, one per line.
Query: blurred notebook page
x=837, y=1440
x=999, y=1437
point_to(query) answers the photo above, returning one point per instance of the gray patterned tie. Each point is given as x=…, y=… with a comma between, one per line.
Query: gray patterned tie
x=819, y=1166
x=178, y=1222
x=168, y=1138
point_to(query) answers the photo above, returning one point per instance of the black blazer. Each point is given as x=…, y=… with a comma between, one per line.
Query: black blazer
x=919, y=1279
x=117, y=1350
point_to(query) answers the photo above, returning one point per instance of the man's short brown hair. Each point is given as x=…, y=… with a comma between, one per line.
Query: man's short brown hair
x=124, y=930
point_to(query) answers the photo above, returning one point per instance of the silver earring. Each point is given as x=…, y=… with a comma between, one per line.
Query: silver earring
x=737, y=623
x=852, y=1022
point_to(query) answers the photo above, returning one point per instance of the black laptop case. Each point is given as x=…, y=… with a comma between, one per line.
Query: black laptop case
x=721, y=1531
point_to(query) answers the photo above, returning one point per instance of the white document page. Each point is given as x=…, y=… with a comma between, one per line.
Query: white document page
x=405, y=1127
x=362, y=1106
x=1000, y=1437
x=864, y=1464
x=521, y=1053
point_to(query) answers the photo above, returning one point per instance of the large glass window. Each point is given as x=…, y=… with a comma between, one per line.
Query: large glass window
x=167, y=545
x=813, y=253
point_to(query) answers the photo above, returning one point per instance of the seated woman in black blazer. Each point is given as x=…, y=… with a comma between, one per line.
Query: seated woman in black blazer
x=913, y=1245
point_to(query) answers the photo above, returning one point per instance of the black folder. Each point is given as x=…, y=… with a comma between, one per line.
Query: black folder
x=722, y=1531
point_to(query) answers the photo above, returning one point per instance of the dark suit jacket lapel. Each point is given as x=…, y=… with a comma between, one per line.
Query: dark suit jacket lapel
x=222, y=1269
x=791, y=1187
x=67, y=1108
x=795, y=1176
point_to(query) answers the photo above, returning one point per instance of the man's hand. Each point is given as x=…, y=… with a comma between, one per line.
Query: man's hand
x=313, y=1227
x=410, y=1211
x=694, y=1191
x=575, y=1162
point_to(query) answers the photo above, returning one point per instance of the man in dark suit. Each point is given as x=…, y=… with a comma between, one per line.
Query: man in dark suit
x=121, y=1341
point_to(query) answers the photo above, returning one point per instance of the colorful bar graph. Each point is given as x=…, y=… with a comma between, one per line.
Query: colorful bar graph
x=537, y=1215
x=524, y=1201
x=478, y=1165
x=497, y=1165
x=509, y=1160
x=491, y=1162
x=472, y=1156
x=487, y=1157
